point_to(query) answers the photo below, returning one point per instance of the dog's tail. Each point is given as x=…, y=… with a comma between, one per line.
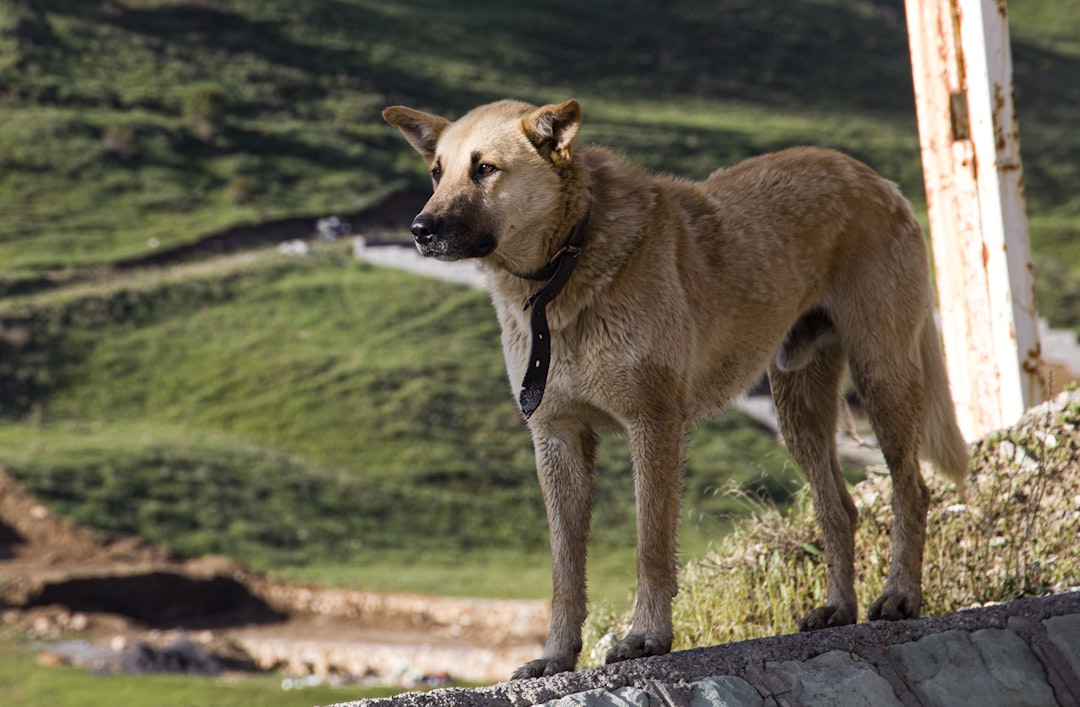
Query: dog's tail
x=941, y=442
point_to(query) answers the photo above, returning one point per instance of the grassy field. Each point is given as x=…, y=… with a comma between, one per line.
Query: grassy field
x=132, y=128
x=104, y=158
x=269, y=407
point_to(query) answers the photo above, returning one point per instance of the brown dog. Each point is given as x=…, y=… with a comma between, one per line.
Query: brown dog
x=647, y=304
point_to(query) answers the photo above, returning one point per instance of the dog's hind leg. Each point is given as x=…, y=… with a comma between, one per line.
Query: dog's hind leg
x=812, y=330
x=565, y=461
x=807, y=402
x=890, y=385
x=657, y=444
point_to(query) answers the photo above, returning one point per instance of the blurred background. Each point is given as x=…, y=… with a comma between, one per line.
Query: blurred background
x=171, y=375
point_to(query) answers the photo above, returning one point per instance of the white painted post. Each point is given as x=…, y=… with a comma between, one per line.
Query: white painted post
x=970, y=144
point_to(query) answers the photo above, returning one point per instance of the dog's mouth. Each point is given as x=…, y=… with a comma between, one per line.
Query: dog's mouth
x=444, y=244
x=444, y=250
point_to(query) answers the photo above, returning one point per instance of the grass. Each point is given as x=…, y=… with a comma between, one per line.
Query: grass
x=269, y=409
x=1012, y=537
x=100, y=163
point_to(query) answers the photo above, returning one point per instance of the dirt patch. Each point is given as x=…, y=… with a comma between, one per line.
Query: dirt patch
x=384, y=222
x=160, y=599
x=58, y=580
x=380, y=222
x=32, y=539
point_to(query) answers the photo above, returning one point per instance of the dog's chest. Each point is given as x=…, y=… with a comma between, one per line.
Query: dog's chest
x=592, y=358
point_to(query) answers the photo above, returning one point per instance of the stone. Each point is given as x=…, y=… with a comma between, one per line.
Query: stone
x=991, y=668
x=623, y=697
x=836, y=677
x=1064, y=633
x=724, y=691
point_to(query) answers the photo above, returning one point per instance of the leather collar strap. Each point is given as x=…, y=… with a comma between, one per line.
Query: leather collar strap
x=561, y=267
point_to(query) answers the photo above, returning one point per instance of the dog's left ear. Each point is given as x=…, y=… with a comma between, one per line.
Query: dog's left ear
x=552, y=128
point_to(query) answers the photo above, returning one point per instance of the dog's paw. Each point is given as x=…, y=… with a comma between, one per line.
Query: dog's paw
x=639, y=645
x=895, y=605
x=826, y=616
x=545, y=666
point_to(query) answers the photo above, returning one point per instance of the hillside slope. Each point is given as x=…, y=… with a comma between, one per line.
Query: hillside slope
x=289, y=413
x=141, y=124
x=173, y=401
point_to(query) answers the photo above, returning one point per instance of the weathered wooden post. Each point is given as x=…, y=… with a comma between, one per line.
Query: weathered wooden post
x=970, y=144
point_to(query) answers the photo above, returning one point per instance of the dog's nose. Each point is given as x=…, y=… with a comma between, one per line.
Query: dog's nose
x=423, y=228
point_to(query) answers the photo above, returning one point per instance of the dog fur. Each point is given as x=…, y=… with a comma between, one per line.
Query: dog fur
x=803, y=262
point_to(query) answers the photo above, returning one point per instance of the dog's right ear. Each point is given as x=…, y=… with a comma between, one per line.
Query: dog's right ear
x=552, y=128
x=421, y=129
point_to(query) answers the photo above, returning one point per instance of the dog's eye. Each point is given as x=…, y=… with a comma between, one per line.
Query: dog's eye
x=436, y=172
x=484, y=169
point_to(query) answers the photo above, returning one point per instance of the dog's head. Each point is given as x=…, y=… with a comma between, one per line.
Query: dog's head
x=497, y=178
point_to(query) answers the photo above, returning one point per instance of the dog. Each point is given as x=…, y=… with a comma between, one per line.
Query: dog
x=646, y=304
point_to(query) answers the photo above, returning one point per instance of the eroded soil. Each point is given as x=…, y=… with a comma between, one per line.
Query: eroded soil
x=62, y=581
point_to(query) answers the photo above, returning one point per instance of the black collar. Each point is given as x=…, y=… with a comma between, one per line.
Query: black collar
x=571, y=247
x=557, y=273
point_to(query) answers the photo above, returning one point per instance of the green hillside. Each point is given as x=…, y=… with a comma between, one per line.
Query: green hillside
x=312, y=412
x=107, y=144
x=317, y=412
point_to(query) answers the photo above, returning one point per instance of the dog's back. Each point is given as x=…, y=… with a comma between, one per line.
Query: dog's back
x=855, y=233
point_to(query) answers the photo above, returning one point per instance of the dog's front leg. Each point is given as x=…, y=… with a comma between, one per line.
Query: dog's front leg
x=657, y=445
x=565, y=459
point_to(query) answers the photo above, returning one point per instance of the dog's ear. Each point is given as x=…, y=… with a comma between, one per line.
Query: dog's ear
x=421, y=129
x=552, y=128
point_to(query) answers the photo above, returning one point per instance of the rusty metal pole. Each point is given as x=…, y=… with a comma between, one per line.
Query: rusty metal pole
x=970, y=145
